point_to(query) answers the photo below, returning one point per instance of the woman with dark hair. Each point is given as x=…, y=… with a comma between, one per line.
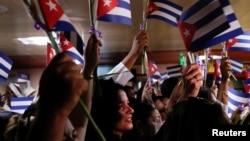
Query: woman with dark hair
x=193, y=117
x=112, y=111
x=147, y=121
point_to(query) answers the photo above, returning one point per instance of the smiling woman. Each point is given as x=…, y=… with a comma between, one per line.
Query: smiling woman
x=111, y=111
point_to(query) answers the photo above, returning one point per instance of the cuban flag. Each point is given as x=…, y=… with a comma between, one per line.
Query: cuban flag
x=50, y=53
x=54, y=17
x=241, y=42
x=153, y=70
x=5, y=67
x=237, y=65
x=229, y=43
x=75, y=39
x=236, y=98
x=202, y=22
x=71, y=50
x=23, y=77
x=234, y=29
x=174, y=71
x=164, y=76
x=116, y=11
x=20, y=104
x=164, y=10
x=246, y=85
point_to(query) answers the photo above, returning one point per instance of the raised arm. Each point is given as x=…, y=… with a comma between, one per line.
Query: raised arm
x=123, y=68
x=225, y=67
x=78, y=118
x=189, y=86
x=60, y=88
x=141, y=40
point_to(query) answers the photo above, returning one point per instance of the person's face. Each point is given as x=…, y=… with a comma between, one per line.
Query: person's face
x=153, y=124
x=125, y=113
x=161, y=108
x=214, y=90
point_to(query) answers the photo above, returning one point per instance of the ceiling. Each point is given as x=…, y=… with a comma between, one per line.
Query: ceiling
x=15, y=23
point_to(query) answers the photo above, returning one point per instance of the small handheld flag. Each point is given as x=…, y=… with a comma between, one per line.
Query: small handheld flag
x=5, y=67
x=164, y=10
x=241, y=42
x=202, y=22
x=70, y=50
x=116, y=11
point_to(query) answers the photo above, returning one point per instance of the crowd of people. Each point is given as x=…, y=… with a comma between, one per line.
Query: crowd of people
x=180, y=112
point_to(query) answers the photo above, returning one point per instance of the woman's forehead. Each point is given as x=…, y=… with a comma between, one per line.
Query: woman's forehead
x=122, y=96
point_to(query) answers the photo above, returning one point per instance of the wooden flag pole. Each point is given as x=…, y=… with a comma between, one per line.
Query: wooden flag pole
x=144, y=26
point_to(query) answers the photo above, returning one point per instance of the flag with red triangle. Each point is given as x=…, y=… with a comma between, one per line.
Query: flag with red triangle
x=70, y=49
x=164, y=10
x=50, y=53
x=203, y=21
x=54, y=16
x=116, y=11
x=153, y=70
x=229, y=43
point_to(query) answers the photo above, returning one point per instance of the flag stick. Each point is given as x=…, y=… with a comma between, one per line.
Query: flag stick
x=53, y=42
x=96, y=85
x=225, y=54
x=191, y=60
x=144, y=52
x=205, y=69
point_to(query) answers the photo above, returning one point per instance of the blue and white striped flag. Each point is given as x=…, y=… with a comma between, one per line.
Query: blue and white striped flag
x=242, y=42
x=164, y=10
x=164, y=76
x=20, y=104
x=237, y=65
x=23, y=77
x=5, y=67
x=174, y=71
x=234, y=29
x=236, y=98
x=202, y=22
x=116, y=11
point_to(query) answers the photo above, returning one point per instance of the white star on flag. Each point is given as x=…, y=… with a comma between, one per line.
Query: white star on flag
x=107, y=2
x=66, y=42
x=152, y=69
x=51, y=55
x=52, y=6
x=230, y=40
x=187, y=32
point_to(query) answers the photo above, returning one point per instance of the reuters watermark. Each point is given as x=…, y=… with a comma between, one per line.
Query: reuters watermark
x=229, y=133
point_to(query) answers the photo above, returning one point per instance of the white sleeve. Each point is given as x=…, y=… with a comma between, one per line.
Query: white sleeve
x=121, y=74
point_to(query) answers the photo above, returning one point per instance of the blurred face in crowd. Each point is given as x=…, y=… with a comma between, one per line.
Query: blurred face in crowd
x=125, y=112
x=154, y=122
x=159, y=105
